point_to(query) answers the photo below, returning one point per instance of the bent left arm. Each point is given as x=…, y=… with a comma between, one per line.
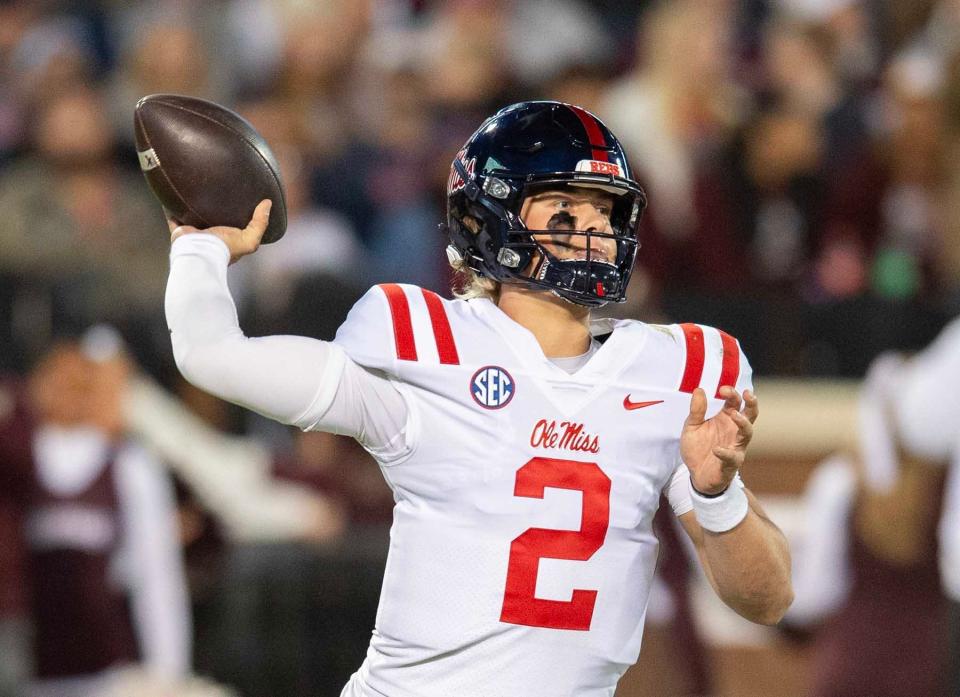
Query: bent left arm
x=745, y=556
x=748, y=566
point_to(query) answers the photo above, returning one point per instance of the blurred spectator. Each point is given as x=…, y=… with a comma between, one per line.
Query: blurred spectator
x=849, y=31
x=51, y=54
x=230, y=475
x=887, y=207
x=782, y=153
x=402, y=236
x=318, y=241
x=80, y=237
x=581, y=85
x=882, y=231
x=799, y=156
x=165, y=47
x=104, y=572
x=676, y=110
x=15, y=21
x=544, y=38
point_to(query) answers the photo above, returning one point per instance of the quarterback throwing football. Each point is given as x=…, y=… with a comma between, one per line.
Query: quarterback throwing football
x=526, y=445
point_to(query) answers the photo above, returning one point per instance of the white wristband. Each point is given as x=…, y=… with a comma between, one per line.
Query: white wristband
x=720, y=513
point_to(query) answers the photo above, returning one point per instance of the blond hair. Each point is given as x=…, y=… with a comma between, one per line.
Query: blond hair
x=468, y=284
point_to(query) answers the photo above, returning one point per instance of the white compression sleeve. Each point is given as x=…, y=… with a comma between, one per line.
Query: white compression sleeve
x=295, y=380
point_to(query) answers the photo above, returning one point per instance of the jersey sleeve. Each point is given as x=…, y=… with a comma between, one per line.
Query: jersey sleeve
x=295, y=380
x=373, y=408
x=374, y=337
x=713, y=359
x=745, y=378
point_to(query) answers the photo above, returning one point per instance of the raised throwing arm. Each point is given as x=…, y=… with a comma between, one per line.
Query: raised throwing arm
x=295, y=380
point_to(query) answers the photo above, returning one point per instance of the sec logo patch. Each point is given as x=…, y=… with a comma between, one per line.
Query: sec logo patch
x=492, y=387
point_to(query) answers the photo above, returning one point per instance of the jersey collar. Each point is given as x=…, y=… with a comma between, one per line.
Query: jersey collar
x=604, y=366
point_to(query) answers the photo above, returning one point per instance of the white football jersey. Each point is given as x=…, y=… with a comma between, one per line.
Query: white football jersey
x=522, y=552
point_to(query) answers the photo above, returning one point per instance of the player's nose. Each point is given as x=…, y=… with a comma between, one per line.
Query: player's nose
x=593, y=219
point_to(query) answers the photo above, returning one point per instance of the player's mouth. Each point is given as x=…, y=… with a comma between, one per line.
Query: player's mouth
x=567, y=252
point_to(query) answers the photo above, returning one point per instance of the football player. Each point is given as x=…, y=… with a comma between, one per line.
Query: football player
x=526, y=445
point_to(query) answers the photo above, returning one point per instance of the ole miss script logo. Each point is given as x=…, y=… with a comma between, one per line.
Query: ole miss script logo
x=492, y=387
x=565, y=434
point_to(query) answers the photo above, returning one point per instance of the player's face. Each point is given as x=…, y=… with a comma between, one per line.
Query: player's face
x=583, y=210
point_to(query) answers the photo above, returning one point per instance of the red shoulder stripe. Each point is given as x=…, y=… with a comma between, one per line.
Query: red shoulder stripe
x=446, y=346
x=731, y=362
x=402, y=326
x=594, y=134
x=694, y=368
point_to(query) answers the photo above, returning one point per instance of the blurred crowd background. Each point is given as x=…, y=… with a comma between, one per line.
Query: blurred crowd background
x=800, y=158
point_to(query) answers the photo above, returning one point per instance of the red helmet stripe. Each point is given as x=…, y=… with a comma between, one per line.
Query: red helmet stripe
x=446, y=346
x=594, y=134
x=693, y=371
x=402, y=325
x=731, y=362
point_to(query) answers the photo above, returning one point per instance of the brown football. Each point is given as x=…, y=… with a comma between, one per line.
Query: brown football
x=206, y=164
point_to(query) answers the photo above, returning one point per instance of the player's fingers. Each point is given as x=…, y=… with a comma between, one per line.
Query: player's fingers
x=752, y=408
x=731, y=398
x=730, y=457
x=698, y=407
x=744, y=429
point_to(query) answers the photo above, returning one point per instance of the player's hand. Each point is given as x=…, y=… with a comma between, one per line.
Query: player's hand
x=240, y=242
x=714, y=449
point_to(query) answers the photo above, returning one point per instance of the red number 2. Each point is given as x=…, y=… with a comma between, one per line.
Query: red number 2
x=520, y=606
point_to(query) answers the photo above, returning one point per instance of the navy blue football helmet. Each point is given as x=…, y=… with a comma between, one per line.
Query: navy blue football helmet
x=519, y=151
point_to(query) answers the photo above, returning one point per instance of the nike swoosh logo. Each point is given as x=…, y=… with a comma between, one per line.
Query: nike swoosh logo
x=628, y=405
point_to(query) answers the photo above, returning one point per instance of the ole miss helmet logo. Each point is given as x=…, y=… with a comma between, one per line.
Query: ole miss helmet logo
x=492, y=387
x=455, y=181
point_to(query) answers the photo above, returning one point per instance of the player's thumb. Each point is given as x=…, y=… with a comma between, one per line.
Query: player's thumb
x=698, y=407
x=261, y=218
